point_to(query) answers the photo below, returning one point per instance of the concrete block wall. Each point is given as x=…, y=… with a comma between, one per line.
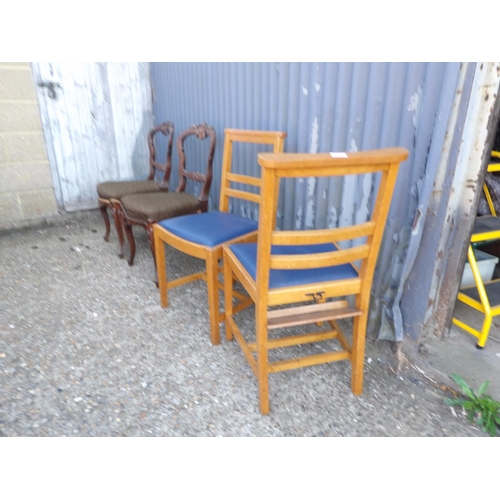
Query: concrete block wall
x=26, y=187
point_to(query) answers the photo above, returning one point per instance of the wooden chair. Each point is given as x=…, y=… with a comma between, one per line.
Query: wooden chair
x=290, y=267
x=148, y=208
x=109, y=194
x=202, y=235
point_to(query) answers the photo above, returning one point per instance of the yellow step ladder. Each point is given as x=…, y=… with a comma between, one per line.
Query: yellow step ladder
x=484, y=297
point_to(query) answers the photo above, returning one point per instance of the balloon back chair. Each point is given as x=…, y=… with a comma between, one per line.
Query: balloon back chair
x=202, y=235
x=293, y=267
x=148, y=208
x=110, y=193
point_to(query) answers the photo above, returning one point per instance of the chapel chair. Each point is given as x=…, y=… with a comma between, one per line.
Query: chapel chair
x=291, y=267
x=110, y=193
x=202, y=235
x=148, y=208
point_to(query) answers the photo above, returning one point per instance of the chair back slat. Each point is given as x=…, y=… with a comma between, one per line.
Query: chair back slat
x=362, y=256
x=243, y=195
x=244, y=179
x=322, y=235
x=315, y=260
x=167, y=129
x=201, y=131
x=228, y=190
x=320, y=171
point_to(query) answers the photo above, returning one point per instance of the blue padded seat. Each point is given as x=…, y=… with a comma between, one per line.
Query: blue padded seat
x=247, y=255
x=209, y=228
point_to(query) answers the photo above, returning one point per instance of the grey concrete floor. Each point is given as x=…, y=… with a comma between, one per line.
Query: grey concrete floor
x=457, y=352
x=86, y=350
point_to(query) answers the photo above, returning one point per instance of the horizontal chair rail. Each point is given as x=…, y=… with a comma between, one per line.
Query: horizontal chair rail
x=244, y=195
x=315, y=359
x=322, y=235
x=314, y=260
x=243, y=345
x=244, y=179
x=307, y=338
x=332, y=171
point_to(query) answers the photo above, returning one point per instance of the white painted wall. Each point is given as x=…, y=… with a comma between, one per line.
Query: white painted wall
x=95, y=122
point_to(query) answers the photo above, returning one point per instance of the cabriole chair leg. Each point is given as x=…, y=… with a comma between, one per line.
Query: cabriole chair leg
x=104, y=213
x=131, y=242
x=119, y=228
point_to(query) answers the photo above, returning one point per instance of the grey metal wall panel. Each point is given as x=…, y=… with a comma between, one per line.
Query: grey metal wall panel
x=464, y=153
x=323, y=107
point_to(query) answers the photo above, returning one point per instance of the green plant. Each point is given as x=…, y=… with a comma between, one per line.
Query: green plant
x=481, y=408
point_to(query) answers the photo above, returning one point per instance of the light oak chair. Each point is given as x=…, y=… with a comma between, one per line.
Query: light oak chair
x=148, y=208
x=110, y=193
x=292, y=267
x=202, y=235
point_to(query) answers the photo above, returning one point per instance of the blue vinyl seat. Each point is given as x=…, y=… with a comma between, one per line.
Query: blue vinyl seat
x=202, y=235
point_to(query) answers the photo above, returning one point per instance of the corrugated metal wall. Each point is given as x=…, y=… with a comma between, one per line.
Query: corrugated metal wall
x=323, y=107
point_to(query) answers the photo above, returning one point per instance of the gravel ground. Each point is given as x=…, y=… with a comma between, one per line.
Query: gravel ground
x=86, y=350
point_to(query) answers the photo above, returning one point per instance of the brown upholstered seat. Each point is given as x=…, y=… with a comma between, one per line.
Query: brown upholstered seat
x=159, y=206
x=118, y=189
x=110, y=193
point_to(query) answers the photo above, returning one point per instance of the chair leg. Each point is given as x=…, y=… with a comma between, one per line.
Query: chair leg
x=104, y=213
x=151, y=239
x=131, y=242
x=358, y=353
x=228, y=298
x=161, y=269
x=212, y=266
x=119, y=228
x=262, y=357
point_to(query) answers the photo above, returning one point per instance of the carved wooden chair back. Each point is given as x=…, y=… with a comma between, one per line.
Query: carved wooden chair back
x=201, y=131
x=110, y=193
x=167, y=129
x=149, y=208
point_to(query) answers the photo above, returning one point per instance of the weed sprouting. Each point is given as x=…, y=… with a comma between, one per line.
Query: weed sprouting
x=480, y=408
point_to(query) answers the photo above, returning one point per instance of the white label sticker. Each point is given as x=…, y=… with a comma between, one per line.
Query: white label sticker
x=338, y=155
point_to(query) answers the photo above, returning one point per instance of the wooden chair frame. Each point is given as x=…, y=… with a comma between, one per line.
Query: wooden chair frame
x=167, y=129
x=286, y=166
x=212, y=255
x=201, y=131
